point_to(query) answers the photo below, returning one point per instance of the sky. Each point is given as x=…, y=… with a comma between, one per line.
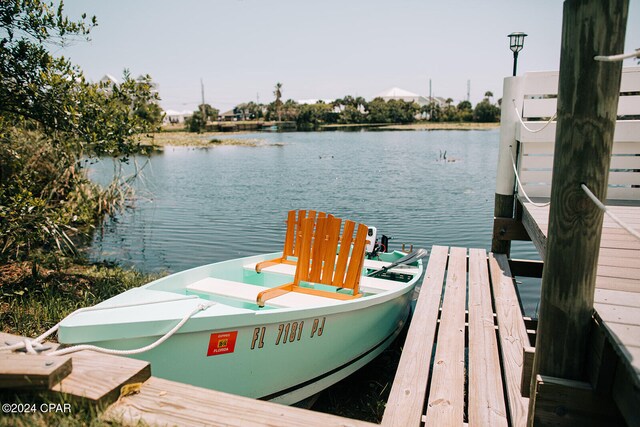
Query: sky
x=320, y=49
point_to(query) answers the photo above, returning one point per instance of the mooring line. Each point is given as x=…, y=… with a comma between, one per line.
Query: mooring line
x=618, y=58
x=603, y=208
x=525, y=126
x=521, y=188
x=32, y=346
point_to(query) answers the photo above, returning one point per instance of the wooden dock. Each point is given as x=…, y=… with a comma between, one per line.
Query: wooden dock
x=463, y=357
x=617, y=300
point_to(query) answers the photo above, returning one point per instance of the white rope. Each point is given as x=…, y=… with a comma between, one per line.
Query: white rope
x=525, y=126
x=151, y=346
x=34, y=345
x=603, y=208
x=618, y=58
x=521, y=189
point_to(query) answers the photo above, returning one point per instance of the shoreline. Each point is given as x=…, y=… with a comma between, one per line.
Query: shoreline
x=212, y=139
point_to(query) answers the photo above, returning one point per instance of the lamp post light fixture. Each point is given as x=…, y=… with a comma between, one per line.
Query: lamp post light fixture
x=516, y=42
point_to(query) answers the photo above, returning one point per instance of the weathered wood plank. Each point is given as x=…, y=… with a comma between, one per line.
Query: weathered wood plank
x=407, y=396
x=561, y=402
x=509, y=229
x=617, y=284
x=163, y=402
x=532, y=225
x=446, y=397
x=605, y=296
x=24, y=371
x=620, y=272
x=512, y=335
x=486, y=397
x=98, y=377
x=626, y=394
x=527, y=369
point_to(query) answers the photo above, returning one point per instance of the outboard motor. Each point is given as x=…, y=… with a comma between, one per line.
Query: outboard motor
x=384, y=243
x=371, y=239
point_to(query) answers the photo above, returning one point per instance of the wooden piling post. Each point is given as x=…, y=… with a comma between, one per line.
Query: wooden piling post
x=587, y=105
x=505, y=177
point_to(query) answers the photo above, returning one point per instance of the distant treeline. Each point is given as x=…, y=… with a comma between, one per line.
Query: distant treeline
x=355, y=110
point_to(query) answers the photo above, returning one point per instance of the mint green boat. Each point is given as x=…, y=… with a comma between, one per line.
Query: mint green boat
x=295, y=345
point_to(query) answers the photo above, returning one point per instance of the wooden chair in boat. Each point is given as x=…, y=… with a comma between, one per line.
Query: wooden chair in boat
x=293, y=238
x=319, y=271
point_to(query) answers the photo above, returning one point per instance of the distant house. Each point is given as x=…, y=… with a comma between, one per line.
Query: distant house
x=231, y=116
x=107, y=82
x=402, y=95
x=153, y=86
x=314, y=101
x=176, y=117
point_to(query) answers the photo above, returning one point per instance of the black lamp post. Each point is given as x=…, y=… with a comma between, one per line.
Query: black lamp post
x=516, y=42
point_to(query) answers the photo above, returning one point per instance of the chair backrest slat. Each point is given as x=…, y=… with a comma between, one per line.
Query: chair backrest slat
x=356, y=262
x=331, y=248
x=302, y=268
x=290, y=235
x=318, y=246
x=343, y=256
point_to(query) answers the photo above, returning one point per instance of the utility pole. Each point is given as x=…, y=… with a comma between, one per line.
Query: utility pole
x=430, y=102
x=468, y=90
x=204, y=111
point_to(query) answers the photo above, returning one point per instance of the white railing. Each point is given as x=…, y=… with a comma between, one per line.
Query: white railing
x=535, y=141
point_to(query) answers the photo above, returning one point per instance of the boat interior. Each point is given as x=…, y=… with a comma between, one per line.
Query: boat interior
x=322, y=263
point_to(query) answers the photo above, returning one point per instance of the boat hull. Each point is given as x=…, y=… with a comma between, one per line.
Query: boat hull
x=282, y=355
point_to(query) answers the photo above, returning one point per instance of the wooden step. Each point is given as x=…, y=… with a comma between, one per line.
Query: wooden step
x=166, y=403
x=95, y=377
x=26, y=371
x=99, y=377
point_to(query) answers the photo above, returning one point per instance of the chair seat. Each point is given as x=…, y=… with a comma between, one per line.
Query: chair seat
x=369, y=285
x=249, y=293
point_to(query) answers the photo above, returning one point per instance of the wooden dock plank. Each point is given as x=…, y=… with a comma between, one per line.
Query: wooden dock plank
x=26, y=371
x=617, y=296
x=486, y=398
x=446, y=398
x=606, y=296
x=407, y=396
x=166, y=403
x=617, y=284
x=98, y=377
x=512, y=334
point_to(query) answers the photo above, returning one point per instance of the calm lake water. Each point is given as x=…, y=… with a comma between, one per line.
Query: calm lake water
x=201, y=205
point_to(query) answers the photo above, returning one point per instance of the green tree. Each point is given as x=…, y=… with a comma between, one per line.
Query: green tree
x=312, y=116
x=465, y=111
x=432, y=111
x=197, y=122
x=277, y=104
x=485, y=112
x=51, y=121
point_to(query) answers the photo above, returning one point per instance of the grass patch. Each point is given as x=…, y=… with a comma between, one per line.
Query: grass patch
x=33, y=298
x=192, y=139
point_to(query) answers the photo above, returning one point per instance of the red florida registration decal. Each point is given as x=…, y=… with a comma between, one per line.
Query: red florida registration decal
x=224, y=342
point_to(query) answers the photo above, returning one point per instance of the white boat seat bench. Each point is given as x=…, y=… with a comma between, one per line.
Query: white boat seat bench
x=249, y=293
x=369, y=285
